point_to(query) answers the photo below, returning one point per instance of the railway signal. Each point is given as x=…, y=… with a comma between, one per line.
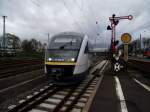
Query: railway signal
x=115, y=57
x=114, y=22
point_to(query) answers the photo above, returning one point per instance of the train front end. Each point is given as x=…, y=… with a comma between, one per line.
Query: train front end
x=61, y=58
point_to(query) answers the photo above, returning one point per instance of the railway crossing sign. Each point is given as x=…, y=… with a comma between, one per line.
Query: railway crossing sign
x=117, y=67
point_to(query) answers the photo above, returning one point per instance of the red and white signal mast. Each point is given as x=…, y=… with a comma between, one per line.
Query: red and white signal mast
x=114, y=22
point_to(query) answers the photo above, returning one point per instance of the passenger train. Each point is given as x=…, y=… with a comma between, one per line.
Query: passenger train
x=67, y=58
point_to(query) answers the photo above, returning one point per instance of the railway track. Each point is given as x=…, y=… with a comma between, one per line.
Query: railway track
x=13, y=80
x=17, y=68
x=19, y=71
x=11, y=62
x=21, y=87
x=54, y=98
x=19, y=64
x=142, y=65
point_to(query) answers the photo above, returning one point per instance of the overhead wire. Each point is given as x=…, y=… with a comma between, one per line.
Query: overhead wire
x=97, y=25
x=67, y=8
x=35, y=3
x=82, y=13
x=69, y=11
x=84, y=16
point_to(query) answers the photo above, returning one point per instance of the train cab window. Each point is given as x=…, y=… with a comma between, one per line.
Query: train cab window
x=68, y=42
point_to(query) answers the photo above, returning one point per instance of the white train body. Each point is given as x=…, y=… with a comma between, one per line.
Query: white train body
x=67, y=57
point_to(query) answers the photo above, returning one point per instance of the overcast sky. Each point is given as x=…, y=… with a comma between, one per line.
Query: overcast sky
x=36, y=18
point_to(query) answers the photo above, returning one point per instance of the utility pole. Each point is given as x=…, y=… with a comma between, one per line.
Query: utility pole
x=140, y=42
x=4, y=39
x=48, y=39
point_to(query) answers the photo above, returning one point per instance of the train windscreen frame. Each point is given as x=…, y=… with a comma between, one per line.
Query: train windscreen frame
x=64, y=47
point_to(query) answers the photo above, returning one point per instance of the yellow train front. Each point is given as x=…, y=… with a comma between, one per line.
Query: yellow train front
x=66, y=58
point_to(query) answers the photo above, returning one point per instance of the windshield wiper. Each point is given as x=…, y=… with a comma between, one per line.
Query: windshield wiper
x=63, y=46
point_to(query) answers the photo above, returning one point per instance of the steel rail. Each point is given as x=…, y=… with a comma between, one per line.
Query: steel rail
x=69, y=108
x=36, y=99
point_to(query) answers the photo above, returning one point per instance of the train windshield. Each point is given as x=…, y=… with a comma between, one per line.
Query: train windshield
x=64, y=47
x=66, y=42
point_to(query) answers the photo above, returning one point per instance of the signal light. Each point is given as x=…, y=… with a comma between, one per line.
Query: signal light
x=109, y=28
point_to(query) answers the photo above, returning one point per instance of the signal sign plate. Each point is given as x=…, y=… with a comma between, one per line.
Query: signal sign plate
x=126, y=38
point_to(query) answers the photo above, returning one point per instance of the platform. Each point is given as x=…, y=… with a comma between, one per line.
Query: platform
x=136, y=97
x=105, y=98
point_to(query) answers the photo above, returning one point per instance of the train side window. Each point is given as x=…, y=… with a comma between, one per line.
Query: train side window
x=86, y=48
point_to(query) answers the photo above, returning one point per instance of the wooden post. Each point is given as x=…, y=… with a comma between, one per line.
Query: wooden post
x=126, y=52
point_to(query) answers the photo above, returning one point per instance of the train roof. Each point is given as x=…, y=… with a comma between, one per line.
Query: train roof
x=80, y=35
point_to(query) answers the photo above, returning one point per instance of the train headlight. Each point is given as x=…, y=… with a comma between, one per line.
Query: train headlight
x=72, y=59
x=49, y=59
